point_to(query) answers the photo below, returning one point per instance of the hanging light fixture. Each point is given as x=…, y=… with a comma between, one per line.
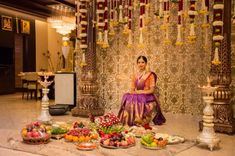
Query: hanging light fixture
x=63, y=19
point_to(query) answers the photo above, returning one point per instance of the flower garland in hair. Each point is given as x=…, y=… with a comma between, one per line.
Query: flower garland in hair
x=217, y=29
x=179, y=41
x=192, y=13
x=100, y=20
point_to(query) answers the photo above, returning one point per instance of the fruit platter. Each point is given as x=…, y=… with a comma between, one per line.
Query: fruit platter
x=112, y=133
x=171, y=139
x=58, y=129
x=35, y=133
x=86, y=146
x=139, y=131
x=80, y=133
x=149, y=141
x=118, y=140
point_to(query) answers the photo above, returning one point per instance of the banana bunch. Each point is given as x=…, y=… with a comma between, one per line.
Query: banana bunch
x=147, y=139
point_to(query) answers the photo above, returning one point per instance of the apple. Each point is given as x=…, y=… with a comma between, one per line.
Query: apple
x=106, y=142
x=35, y=134
x=124, y=143
x=46, y=135
x=117, y=143
x=29, y=134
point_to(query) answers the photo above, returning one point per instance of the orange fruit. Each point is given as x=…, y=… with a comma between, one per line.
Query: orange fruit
x=87, y=138
x=69, y=137
x=81, y=138
x=75, y=139
x=24, y=132
x=94, y=136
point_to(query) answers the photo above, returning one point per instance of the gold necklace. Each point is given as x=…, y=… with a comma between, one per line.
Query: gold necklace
x=141, y=74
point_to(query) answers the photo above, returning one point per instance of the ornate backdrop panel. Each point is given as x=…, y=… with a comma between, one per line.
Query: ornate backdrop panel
x=180, y=69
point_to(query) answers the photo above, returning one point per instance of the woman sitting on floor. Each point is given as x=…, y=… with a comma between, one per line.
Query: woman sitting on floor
x=141, y=105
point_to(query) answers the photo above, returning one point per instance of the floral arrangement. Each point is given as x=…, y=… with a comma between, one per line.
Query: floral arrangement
x=107, y=124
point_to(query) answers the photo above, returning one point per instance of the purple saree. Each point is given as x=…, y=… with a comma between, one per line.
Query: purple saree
x=141, y=106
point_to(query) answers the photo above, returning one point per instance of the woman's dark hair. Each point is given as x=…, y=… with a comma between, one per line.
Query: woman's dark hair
x=142, y=57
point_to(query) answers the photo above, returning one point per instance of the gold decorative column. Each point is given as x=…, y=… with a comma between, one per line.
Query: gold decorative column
x=220, y=73
x=87, y=99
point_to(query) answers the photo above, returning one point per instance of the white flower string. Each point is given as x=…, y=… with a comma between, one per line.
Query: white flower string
x=217, y=30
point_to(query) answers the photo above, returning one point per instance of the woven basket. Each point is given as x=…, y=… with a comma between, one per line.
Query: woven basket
x=36, y=141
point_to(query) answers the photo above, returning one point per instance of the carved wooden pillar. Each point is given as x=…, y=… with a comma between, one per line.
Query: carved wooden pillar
x=221, y=75
x=88, y=102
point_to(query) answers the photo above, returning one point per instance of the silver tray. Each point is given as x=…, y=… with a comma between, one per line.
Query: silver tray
x=153, y=148
x=88, y=148
x=114, y=147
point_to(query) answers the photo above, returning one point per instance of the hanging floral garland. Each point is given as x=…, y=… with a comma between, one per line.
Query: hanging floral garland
x=105, y=43
x=130, y=42
x=126, y=18
x=205, y=25
x=179, y=41
x=82, y=27
x=160, y=13
x=217, y=29
x=166, y=17
x=100, y=20
x=141, y=23
x=147, y=10
x=112, y=23
x=192, y=13
x=120, y=19
x=111, y=12
x=115, y=12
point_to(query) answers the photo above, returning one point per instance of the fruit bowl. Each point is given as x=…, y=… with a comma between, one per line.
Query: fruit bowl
x=150, y=142
x=117, y=140
x=36, y=141
x=153, y=148
x=35, y=133
x=80, y=135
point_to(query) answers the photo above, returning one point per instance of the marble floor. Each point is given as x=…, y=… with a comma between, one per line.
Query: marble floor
x=15, y=113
